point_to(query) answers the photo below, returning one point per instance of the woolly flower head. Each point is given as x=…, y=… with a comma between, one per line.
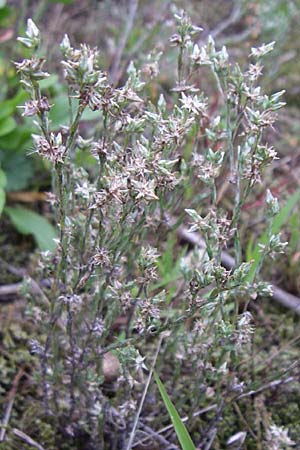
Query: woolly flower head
x=278, y=439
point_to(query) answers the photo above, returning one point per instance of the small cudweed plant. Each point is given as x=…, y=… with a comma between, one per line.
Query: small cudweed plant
x=102, y=289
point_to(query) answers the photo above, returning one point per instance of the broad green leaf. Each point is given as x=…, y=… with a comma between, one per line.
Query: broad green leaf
x=5, y=12
x=181, y=431
x=29, y=222
x=19, y=170
x=19, y=138
x=48, y=82
x=19, y=98
x=59, y=113
x=279, y=220
x=8, y=107
x=84, y=159
x=7, y=125
x=2, y=199
x=88, y=115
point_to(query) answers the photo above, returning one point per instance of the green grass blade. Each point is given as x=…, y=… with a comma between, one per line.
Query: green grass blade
x=181, y=431
x=279, y=220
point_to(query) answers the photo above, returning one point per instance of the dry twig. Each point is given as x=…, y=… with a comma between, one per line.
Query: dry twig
x=24, y=437
x=136, y=420
x=11, y=397
x=115, y=70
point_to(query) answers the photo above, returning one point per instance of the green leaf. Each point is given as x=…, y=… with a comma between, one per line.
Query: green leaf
x=60, y=113
x=8, y=107
x=181, y=431
x=169, y=270
x=18, y=139
x=193, y=214
x=166, y=262
x=19, y=170
x=2, y=199
x=48, y=82
x=29, y=222
x=5, y=12
x=295, y=232
x=2, y=179
x=279, y=220
x=7, y=125
x=84, y=159
x=90, y=115
x=249, y=249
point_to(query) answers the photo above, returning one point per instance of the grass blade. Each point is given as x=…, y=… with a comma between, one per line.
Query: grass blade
x=181, y=431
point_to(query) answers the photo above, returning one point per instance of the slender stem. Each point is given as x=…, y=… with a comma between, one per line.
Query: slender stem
x=74, y=128
x=73, y=362
x=61, y=187
x=213, y=192
x=264, y=252
x=240, y=198
x=62, y=267
x=180, y=63
x=237, y=209
x=137, y=416
x=230, y=144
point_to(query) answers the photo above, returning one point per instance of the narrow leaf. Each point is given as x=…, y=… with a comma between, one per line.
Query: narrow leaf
x=2, y=179
x=181, y=431
x=2, y=200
